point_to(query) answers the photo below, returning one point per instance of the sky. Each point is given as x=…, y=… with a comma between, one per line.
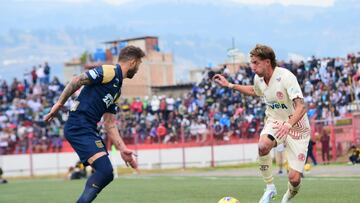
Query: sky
x=198, y=33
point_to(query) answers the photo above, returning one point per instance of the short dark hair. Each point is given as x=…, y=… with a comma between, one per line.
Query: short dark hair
x=130, y=52
x=264, y=52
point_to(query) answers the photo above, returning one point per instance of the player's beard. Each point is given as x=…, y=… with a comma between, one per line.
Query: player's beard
x=131, y=72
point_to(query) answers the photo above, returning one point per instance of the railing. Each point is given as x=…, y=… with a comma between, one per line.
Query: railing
x=343, y=132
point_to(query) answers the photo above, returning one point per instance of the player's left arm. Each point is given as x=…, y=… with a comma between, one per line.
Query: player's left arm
x=113, y=132
x=300, y=111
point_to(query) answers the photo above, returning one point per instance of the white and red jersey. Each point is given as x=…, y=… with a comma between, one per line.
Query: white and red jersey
x=278, y=96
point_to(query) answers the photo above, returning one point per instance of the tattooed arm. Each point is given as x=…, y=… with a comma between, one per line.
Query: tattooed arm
x=73, y=86
x=114, y=135
x=70, y=88
x=112, y=131
x=300, y=110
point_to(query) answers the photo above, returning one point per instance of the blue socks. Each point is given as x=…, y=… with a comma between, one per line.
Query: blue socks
x=102, y=176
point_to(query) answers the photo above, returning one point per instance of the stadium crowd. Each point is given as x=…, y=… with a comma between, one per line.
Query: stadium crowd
x=331, y=87
x=22, y=106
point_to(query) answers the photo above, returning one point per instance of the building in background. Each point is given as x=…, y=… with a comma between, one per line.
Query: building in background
x=156, y=70
x=234, y=62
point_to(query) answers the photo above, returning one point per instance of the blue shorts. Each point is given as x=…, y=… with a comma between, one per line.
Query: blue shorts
x=86, y=143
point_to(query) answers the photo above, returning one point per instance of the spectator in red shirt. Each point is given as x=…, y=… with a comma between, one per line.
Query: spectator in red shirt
x=161, y=131
x=34, y=75
x=137, y=107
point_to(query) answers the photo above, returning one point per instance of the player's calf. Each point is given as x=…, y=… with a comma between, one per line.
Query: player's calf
x=293, y=186
x=102, y=176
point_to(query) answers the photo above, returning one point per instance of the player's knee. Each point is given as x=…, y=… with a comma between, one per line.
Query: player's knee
x=103, y=166
x=108, y=173
x=294, y=178
x=110, y=176
x=263, y=149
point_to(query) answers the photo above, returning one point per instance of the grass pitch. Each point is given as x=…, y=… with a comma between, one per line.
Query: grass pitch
x=180, y=189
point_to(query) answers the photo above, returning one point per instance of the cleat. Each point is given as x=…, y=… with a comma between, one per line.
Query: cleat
x=269, y=194
x=286, y=198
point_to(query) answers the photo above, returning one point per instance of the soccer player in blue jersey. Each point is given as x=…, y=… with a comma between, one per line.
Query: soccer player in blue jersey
x=98, y=98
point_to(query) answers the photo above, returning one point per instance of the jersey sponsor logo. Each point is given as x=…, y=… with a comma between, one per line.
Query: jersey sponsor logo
x=280, y=95
x=93, y=74
x=277, y=105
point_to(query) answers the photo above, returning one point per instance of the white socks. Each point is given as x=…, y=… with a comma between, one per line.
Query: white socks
x=265, y=166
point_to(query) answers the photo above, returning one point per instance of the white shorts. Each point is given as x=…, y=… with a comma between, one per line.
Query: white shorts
x=296, y=143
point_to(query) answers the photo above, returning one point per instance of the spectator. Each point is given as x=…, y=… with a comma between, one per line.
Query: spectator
x=4, y=142
x=2, y=180
x=194, y=130
x=325, y=147
x=170, y=133
x=77, y=172
x=34, y=75
x=354, y=155
x=325, y=83
x=202, y=131
x=161, y=131
x=41, y=74
x=218, y=131
x=46, y=73
x=310, y=152
x=280, y=157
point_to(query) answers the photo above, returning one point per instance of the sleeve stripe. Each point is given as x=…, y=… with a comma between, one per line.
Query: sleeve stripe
x=108, y=73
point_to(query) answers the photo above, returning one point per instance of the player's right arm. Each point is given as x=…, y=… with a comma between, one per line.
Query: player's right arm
x=70, y=88
x=73, y=86
x=244, y=89
x=113, y=133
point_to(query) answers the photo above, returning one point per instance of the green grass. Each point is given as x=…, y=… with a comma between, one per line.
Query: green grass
x=177, y=189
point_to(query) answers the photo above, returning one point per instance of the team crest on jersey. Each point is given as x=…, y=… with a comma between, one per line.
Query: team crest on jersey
x=301, y=157
x=278, y=79
x=99, y=144
x=280, y=95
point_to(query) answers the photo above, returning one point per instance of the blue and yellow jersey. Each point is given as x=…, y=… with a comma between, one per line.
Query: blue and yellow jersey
x=97, y=98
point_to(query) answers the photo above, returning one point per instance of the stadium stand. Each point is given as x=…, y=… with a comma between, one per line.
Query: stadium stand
x=331, y=87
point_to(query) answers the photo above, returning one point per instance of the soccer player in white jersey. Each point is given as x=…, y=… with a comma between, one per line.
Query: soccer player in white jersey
x=285, y=122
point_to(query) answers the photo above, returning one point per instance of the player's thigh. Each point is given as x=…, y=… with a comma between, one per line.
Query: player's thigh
x=267, y=134
x=96, y=156
x=296, y=151
x=267, y=138
x=88, y=146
